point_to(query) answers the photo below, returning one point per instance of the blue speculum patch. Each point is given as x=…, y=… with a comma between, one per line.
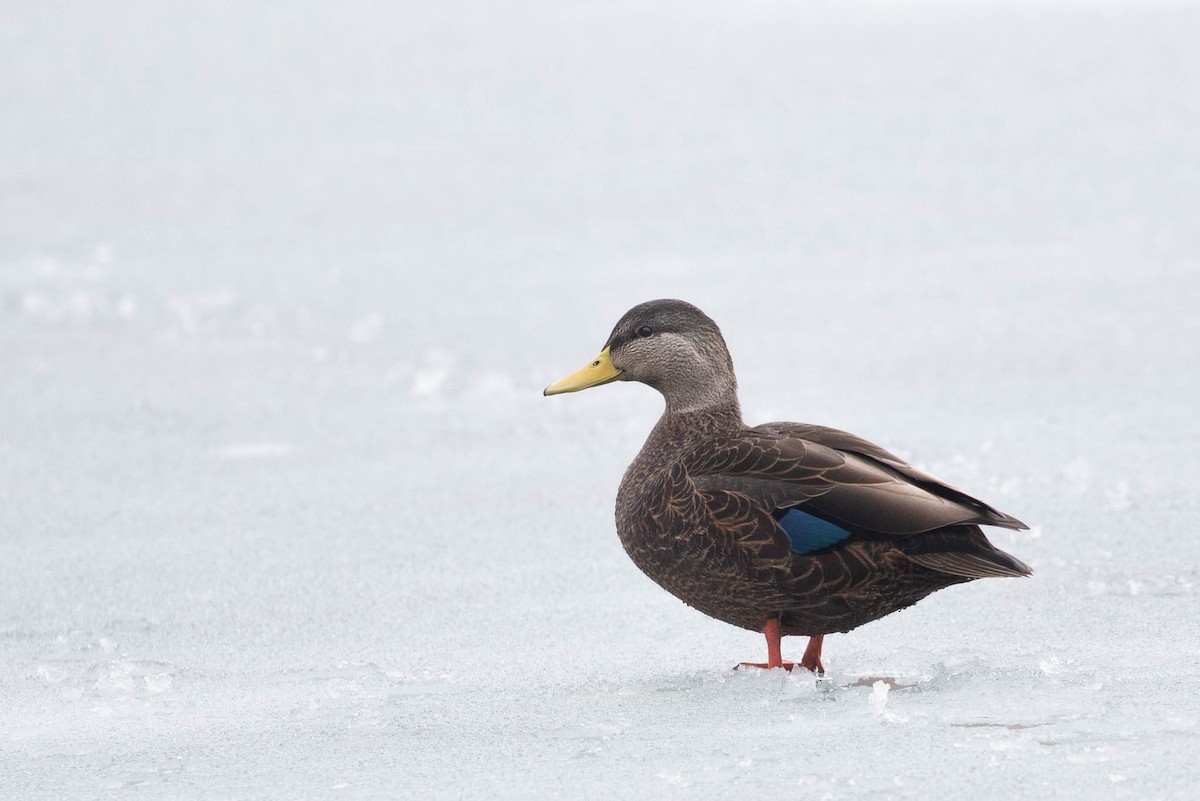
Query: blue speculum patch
x=809, y=533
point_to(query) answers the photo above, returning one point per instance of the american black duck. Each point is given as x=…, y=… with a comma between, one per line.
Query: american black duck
x=783, y=528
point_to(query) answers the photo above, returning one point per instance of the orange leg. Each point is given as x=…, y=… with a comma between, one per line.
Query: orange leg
x=810, y=661
x=774, y=660
x=812, y=655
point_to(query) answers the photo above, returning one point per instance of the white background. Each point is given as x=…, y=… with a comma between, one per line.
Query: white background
x=284, y=515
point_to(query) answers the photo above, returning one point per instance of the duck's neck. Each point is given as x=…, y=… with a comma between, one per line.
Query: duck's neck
x=703, y=393
x=699, y=422
x=679, y=431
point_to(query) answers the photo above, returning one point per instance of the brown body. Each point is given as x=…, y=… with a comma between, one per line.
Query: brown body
x=693, y=512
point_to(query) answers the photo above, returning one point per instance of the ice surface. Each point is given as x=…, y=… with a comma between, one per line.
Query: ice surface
x=284, y=514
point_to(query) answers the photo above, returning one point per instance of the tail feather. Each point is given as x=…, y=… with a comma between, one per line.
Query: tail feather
x=963, y=551
x=974, y=565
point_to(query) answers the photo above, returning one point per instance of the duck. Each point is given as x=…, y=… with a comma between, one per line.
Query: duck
x=787, y=529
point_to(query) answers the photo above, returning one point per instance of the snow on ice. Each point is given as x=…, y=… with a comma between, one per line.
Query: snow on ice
x=284, y=514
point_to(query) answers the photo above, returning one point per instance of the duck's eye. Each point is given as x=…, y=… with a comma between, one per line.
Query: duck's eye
x=645, y=331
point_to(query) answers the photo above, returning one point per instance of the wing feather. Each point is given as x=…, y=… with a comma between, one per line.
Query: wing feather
x=846, y=442
x=867, y=491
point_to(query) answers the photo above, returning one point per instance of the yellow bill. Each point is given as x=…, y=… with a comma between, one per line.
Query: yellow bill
x=600, y=371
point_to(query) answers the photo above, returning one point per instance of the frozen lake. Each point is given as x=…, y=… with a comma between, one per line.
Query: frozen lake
x=284, y=515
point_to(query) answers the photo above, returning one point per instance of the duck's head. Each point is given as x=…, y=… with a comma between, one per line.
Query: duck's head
x=668, y=344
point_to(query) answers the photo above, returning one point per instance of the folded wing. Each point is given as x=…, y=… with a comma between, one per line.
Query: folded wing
x=837, y=477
